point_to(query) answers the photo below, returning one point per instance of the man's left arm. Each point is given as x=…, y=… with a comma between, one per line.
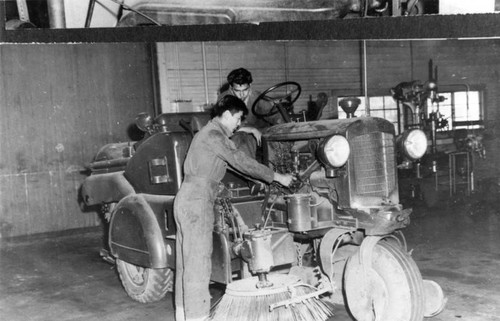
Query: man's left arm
x=253, y=131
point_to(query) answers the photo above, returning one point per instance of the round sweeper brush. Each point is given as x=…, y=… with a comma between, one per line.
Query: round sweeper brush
x=286, y=298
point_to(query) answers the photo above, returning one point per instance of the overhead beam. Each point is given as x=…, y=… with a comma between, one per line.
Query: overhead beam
x=378, y=28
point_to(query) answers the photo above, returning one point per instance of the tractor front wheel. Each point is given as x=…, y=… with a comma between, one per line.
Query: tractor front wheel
x=387, y=288
x=145, y=284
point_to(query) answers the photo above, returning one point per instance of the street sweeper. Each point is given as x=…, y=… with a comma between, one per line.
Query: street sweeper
x=334, y=235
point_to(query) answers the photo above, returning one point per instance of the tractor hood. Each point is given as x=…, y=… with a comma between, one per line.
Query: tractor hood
x=323, y=128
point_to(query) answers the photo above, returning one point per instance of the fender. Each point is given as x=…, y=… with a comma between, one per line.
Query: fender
x=138, y=229
x=105, y=188
x=326, y=248
x=366, y=250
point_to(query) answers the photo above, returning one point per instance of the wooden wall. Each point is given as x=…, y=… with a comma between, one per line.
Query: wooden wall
x=196, y=71
x=59, y=104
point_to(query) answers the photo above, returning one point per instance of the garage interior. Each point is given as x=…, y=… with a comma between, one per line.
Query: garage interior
x=66, y=93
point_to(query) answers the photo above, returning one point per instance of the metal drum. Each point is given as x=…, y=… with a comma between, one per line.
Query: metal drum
x=299, y=212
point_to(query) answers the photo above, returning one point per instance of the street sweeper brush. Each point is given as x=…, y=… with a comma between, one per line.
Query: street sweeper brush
x=285, y=298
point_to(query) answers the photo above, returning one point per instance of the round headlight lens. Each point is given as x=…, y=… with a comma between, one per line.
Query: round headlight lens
x=415, y=144
x=335, y=150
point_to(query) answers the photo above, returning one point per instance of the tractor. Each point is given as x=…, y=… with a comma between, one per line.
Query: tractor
x=339, y=227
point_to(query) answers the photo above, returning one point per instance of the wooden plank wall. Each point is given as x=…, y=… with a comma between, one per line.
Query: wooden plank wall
x=317, y=66
x=335, y=67
x=59, y=104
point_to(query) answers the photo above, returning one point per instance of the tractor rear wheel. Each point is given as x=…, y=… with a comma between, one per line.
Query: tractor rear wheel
x=145, y=284
x=389, y=288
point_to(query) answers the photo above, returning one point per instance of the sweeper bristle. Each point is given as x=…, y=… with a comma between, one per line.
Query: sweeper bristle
x=243, y=301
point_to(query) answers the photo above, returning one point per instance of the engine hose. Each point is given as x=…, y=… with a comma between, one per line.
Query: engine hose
x=269, y=214
x=265, y=201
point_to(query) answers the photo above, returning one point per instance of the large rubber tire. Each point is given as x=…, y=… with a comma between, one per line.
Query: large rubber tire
x=391, y=290
x=145, y=285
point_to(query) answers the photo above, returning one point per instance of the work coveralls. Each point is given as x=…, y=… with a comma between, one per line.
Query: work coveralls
x=210, y=153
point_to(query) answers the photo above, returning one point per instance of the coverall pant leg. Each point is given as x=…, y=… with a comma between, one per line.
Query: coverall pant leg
x=194, y=220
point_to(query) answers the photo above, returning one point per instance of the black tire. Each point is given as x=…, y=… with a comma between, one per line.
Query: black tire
x=145, y=285
x=391, y=290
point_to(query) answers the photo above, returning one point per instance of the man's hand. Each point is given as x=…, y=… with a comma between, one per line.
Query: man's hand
x=253, y=131
x=284, y=179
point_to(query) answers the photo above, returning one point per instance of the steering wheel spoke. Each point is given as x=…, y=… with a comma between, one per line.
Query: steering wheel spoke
x=278, y=99
x=269, y=99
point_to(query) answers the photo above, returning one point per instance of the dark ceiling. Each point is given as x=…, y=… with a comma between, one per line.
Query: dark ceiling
x=351, y=27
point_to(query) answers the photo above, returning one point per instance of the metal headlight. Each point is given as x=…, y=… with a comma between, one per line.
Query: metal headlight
x=413, y=144
x=334, y=151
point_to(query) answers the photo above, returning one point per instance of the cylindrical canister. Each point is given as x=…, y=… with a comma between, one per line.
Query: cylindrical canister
x=299, y=212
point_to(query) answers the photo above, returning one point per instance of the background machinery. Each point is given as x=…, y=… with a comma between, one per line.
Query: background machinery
x=439, y=172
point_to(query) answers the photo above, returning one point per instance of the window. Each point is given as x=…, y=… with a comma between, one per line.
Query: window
x=462, y=109
x=380, y=106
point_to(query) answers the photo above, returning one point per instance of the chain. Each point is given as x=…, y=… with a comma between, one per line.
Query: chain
x=299, y=255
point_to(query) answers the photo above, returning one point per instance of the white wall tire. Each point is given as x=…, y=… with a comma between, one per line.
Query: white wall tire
x=145, y=285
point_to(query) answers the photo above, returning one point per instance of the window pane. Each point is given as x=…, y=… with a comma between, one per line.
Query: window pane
x=377, y=102
x=445, y=111
x=391, y=115
x=390, y=103
x=474, y=98
x=377, y=113
x=466, y=106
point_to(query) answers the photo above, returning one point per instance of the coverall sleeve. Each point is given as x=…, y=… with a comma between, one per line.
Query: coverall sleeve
x=238, y=160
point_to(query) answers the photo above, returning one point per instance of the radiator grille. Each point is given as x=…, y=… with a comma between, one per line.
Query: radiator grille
x=373, y=164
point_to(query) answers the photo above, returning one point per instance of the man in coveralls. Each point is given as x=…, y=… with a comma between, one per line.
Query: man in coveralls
x=240, y=85
x=208, y=157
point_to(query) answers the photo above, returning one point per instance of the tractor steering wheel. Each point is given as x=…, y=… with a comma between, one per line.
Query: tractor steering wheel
x=278, y=99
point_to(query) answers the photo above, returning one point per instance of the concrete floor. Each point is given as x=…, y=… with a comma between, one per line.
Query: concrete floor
x=63, y=278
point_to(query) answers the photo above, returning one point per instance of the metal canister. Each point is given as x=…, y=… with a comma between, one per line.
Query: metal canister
x=299, y=212
x=258, y=245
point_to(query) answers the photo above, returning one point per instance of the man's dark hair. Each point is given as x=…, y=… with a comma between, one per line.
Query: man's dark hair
x=231, y=103
x=239, y=76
